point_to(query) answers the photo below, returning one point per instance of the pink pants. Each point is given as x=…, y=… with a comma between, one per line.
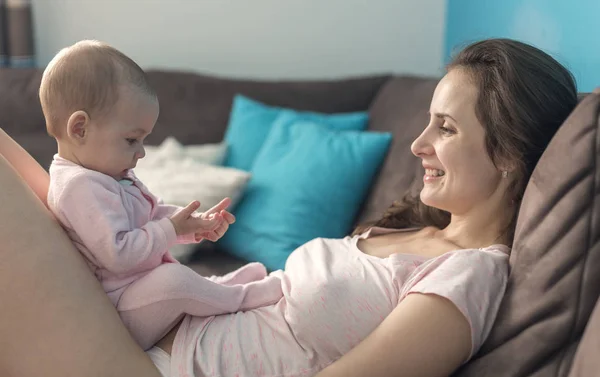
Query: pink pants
x=151, y=306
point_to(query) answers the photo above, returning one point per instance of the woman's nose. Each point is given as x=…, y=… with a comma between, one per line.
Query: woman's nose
x=422, y=145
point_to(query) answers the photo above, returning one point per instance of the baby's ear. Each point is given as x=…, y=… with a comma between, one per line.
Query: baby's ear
x=78, y=125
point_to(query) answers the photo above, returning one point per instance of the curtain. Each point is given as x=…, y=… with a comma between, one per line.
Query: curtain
x=16, y=34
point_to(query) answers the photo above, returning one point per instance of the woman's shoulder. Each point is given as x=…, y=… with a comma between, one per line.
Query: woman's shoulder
x=486, y=266
x=491, y=254
x=474, y=280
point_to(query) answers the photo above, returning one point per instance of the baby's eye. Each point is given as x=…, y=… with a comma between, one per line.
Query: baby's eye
x=131, y=141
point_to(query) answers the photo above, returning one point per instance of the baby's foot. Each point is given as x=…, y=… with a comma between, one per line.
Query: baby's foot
x=245, y=274
x=260, y=293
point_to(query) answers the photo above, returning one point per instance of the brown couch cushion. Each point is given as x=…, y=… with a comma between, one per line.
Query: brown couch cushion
x=195, y=108
x=587, y=360
x=555, y=263
x=21, y=113
x=20, y=109
x=400, y=108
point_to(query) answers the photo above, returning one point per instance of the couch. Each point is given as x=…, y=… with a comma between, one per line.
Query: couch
x=549, y=321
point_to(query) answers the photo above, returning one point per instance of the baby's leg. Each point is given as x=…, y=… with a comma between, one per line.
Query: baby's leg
x=152, y=305
x=245, y=274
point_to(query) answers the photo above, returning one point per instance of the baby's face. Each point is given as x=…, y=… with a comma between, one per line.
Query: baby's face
x=114, y=146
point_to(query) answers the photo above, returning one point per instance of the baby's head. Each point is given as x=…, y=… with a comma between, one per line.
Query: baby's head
x=99, y=107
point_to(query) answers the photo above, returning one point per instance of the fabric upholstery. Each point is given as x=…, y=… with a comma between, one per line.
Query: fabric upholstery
x=308, y=181
x=555, y=261
x=194, y=108
x=586, y=362
x=400, y=108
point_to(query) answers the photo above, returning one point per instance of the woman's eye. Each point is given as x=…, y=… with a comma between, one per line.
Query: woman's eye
x=131, y=141
x=446, y=131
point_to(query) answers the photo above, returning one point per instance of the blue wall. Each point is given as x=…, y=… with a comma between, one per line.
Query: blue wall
x=567, y=30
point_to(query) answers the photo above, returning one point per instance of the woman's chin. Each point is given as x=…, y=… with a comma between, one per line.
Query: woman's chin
x=430, y=199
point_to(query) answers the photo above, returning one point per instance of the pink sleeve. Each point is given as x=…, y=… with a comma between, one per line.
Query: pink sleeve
x=95, y=211
x=165, y=211
x=473, y=280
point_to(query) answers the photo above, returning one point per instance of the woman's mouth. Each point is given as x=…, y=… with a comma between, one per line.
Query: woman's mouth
x=432, y=175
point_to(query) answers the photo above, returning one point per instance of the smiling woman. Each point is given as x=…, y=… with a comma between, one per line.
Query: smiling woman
x=491, y=117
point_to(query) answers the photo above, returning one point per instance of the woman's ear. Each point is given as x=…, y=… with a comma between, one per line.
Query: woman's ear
x=507, y=166
x=78, y=126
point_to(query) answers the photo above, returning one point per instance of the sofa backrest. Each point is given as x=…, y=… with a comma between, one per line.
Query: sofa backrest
x=194, y=108
x=401, y=107
x=554, y=281
x=586, y=362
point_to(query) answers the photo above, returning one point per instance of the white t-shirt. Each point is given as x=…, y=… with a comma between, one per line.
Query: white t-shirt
x=334, y=296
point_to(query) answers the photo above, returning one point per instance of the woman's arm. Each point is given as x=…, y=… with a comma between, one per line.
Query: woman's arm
x=55, y=318
x=425, y=335
x=36, y=177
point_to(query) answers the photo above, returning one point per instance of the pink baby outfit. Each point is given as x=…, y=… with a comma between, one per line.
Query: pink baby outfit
x=124, y=232
x=334, y=296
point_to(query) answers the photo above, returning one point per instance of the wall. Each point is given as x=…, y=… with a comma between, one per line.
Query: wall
x=567, y=30
x=257, y=38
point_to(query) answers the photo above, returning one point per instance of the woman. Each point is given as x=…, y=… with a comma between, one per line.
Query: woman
x=492, y=116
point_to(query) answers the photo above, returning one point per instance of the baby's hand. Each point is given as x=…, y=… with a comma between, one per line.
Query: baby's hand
x=185, y=222
x=226, y=219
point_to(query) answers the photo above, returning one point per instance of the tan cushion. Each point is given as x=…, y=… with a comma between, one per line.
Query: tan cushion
x=555, y=263
x=400, y=108
x=587, y=357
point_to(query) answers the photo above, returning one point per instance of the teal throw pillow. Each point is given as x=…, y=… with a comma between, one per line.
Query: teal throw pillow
x=250, y=122
x=307, y=181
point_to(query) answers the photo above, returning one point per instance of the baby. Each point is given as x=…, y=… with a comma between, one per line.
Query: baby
x=99, y=108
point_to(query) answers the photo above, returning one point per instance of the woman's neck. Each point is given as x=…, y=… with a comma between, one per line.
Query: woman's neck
x=480, y=228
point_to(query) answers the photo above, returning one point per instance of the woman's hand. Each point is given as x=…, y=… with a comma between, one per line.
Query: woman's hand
x=425, y=335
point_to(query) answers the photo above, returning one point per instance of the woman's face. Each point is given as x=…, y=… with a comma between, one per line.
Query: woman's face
x=459, y=173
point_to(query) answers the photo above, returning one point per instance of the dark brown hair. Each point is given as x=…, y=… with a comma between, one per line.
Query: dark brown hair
x=524, y=97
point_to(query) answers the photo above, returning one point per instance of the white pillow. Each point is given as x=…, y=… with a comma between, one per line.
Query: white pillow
x=179, y=175
x=212, y=154
x=180, y=181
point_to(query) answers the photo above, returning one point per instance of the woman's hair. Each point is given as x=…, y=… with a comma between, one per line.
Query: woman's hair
x=524, y=97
